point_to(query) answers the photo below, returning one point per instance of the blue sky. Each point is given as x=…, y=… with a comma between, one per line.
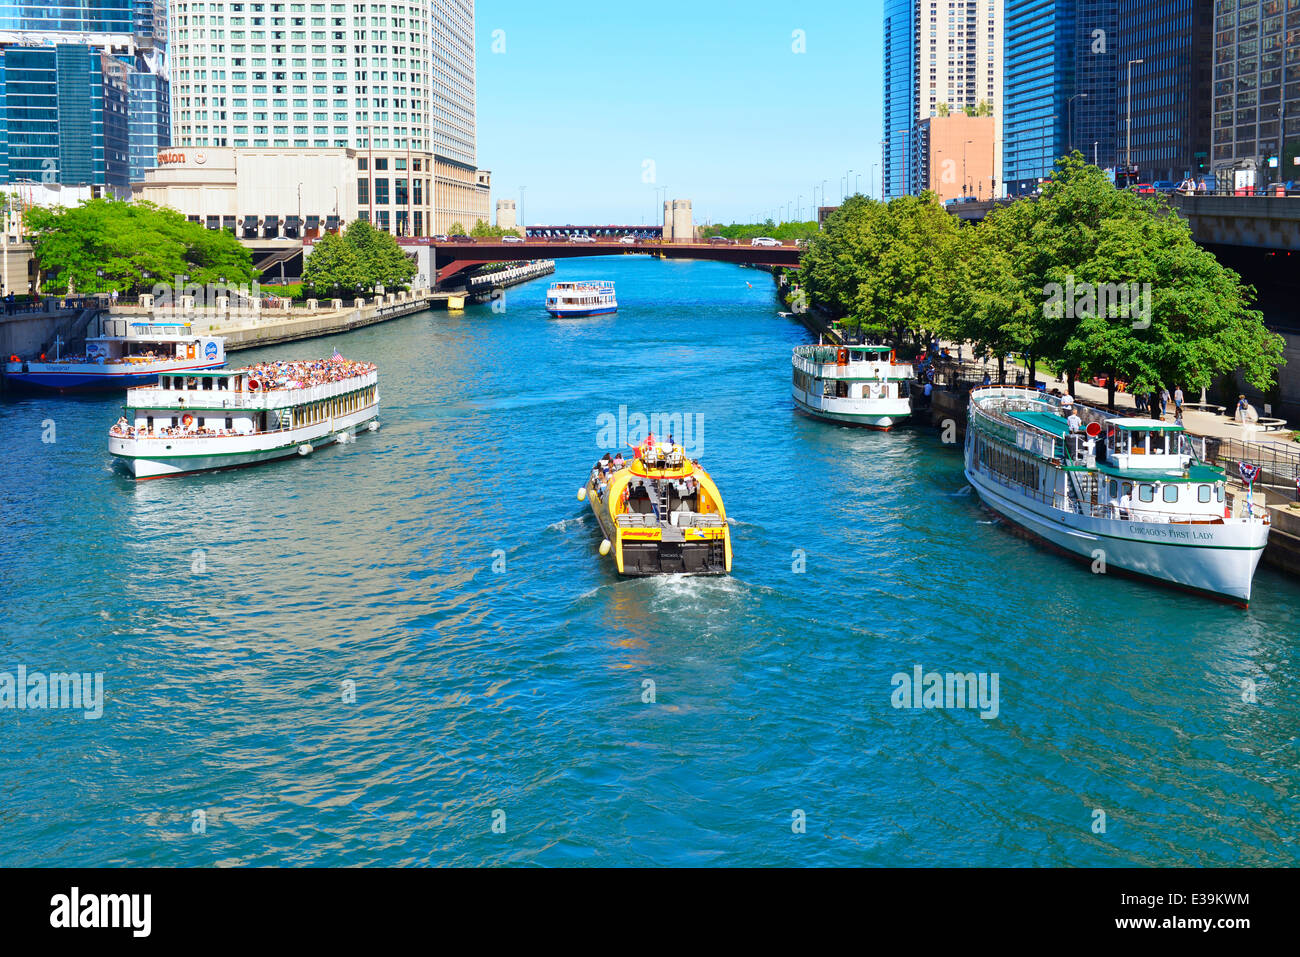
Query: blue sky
x=575, y=95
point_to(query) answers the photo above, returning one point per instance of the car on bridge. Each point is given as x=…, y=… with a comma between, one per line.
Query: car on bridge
x=512, y=238
x=627, y=240
x=460, y=238
x=582, y=239
x=764, y=241
x=721, y=241
x=439, y=238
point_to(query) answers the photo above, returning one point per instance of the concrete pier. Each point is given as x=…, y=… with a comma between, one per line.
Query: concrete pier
x=267, y=325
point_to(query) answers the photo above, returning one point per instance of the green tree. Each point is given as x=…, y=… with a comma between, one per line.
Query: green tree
x=332, y=267
x=456, y=229
x=105, y=244
x=380, y=260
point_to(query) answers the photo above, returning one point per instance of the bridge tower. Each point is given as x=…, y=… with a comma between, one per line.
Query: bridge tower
x=506, y=215
x=679, y=223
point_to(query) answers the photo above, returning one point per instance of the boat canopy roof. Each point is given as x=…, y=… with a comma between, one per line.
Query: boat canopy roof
x=1137, y=425
x=1194, y=473
x=1044, y=422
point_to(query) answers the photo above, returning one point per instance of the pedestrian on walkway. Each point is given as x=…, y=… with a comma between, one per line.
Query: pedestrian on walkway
x=1164, y=401
x=1178, y=403
x=1140, y=401
x=1243, y=409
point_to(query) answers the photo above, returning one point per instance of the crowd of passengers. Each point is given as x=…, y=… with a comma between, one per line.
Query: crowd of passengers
x=124, y=429
x=304, y=373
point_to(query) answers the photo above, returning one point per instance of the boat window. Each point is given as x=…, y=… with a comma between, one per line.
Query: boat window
x=1218, y=492
x=1203, y=494
x=1171, y=493
x=1146, y=493
x=1114, y=489
x=1128, y=489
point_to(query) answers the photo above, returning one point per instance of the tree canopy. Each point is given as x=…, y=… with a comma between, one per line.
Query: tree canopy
x=1092, y=279
x=106, y=244
x=359, y=259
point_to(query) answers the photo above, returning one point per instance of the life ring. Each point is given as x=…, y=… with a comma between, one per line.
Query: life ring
x=187, y=420
x=842, y=357
x=253, y=385
x=891, y=357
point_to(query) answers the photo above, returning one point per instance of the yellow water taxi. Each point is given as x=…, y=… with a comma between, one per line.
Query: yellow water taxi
x=660, y=513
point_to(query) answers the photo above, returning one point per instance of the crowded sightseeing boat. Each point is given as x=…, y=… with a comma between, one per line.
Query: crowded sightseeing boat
x=125, y=353
x=659, y=511
x=1124, y=493
x=858, y=385
x=591, y=297
x=199, y=421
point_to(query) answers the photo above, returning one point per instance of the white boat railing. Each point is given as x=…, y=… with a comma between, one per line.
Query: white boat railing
x=154, y=397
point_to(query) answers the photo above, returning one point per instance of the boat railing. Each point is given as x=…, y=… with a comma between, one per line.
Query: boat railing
x=153, y=396
x=1108, y=510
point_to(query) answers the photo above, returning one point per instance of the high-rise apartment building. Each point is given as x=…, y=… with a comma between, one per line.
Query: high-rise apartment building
x=949, y=59
x=1256, y=109
x=84, y=91
x=391, y=79
x=1039, y=85
x=1171, y=87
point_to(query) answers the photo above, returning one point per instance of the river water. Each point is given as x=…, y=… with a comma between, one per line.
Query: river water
x=516, y=702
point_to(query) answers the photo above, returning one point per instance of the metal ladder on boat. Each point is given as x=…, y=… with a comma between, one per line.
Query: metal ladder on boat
x=1085, y=487
x=717, y=553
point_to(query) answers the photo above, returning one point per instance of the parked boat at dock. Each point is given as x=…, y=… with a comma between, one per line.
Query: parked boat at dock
x=852, y=384
x=124, y=354
x=591, y=297
x=198, y=421
x=1132, y=493
x=660, y=513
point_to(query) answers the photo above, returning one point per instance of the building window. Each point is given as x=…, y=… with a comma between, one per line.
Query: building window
x=381, y=190
x=363, y=191
x=363, y=163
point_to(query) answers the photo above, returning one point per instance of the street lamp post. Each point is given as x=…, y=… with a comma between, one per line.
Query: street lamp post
x=798, y=209
x=844, y=192
x=1128, y=126
x=965, y=181
x=1069, y=120
x=523, y=217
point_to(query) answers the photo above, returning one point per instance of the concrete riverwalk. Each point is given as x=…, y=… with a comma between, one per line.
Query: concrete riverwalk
x=260, y=323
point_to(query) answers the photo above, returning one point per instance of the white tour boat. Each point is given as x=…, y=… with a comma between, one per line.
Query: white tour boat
x=853, y=385
x=197, y=421
x=1132, y=493
x=124, y=354
x=593, y=297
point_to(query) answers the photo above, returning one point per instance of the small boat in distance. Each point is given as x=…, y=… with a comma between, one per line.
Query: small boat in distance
x=125, y=353
x=592, y=297
x=852, y=385
x=660, y=513
x=1131, y=492
x=198, y=421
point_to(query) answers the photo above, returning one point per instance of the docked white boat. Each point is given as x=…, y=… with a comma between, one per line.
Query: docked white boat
x=198, y=421
x=124, y=353
x=594, y=297
x=853, y=385
x=1130, y=493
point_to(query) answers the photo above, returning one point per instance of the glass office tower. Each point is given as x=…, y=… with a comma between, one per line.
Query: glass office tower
x=1171, y=102
x=900, y=97
x=1038, y=82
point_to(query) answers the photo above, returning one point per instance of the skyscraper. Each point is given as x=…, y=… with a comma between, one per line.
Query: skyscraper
x=1039, y=82
x=388, y=77
x=948, y=59
x=1256, y=110
x=1171, y=102
x=84, y=90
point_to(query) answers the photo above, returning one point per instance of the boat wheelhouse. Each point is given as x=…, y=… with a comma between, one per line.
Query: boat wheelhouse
x=197, y=421
x=859, y=385
x=124, y=353
x=593, y=297
x=1133, y=493
x=660, y=513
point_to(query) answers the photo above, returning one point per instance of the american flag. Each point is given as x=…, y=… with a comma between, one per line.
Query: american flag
x=337, y=356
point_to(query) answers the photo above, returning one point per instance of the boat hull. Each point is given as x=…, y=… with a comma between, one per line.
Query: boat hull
x=643, y=552
x=56, y=377
x=579, y=313
x=879, y=414
x=1212, y=559
x=162, y=457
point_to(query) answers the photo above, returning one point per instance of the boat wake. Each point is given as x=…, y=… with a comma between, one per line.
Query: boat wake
x=565, y=524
